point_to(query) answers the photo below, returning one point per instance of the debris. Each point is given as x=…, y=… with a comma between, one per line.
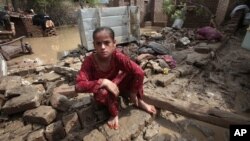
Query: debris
x=185, y=41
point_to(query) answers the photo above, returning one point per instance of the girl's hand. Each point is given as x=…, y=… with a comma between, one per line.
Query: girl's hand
x=110, y=86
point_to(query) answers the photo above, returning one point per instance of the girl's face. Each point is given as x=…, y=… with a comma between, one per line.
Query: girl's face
x=104, y=45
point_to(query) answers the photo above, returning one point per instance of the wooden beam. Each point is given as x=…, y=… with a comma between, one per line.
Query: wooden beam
x=12, y=41
x=196, y=111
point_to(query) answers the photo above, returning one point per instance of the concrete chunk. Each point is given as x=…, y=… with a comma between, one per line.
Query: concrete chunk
x=50, y=76
x=66, y=90
x=23, y=131
x=41, y=115
x=8, y=82
x=131, y=123
x=36, y=136
x=20, y=90
x=22, y=103
x=87, y=116
x=185, y=70
x=60, y=102
x=55, y=131
x=164, y=80
x=81, y=101
x=71, y=123
x=152, y=131
x=94, y=135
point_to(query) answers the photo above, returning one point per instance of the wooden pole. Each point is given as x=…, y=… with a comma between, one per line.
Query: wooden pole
x=197, y=111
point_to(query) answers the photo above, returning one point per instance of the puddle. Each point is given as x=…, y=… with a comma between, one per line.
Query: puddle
x=47, y=48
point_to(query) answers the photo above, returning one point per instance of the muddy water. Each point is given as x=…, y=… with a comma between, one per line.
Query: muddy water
x=46, y=49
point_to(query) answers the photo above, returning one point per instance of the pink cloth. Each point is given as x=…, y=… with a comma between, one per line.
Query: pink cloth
x=208, y=33
x=169, y=60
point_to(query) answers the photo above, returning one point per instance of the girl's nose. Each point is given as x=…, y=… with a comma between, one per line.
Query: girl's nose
x=103, y=46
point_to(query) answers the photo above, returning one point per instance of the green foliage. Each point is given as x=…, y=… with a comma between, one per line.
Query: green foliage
x=168, y=7
x=173, y=10
x=178, y=10
x=92, y=3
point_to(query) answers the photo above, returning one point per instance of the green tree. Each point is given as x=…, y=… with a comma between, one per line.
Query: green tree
x=178, y=10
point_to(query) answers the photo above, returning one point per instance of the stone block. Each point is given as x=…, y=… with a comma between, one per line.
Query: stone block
x=65, y=71
x=131, y=123
x=41, y=115
x=196, y=57
x=39, y=88
x=95, y=135
x=8, y=82
x=22, y=103
x=40, y=69
x=76, y=136
x=55, y=131
x=50, y=76
x=21, y=71
x=11, y=126
x=185, y=70
x=81, y=101
x=37, y=136
x=87, y=117
x=66, y=90
x=60, y=102
x=50, y=86
x=203, y=50
x=71, y=123
x=164, y=80
x=20, y=90
x=152, y=130
x=23, y=131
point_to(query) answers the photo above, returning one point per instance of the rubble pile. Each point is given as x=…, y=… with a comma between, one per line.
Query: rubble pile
x=38, y=101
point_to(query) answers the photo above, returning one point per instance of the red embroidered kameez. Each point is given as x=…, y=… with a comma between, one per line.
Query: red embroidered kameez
x=123, y=71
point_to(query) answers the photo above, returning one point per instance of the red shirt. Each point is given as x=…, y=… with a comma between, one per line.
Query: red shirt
x=88, y=78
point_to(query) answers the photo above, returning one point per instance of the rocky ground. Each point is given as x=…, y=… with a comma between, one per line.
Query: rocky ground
x=38, y=101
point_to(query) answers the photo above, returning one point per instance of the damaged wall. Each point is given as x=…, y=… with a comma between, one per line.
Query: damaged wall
x=223, y=9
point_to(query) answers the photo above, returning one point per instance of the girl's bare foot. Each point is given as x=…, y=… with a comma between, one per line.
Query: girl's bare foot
x=148, y=108
x=113, y=122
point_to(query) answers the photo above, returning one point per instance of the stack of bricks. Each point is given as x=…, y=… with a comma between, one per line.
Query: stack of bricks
x=32, y=30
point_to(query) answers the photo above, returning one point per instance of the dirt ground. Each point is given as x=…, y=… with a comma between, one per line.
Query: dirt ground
x=222, y=84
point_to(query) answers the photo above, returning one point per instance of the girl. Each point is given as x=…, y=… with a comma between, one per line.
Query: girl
x=108, y=73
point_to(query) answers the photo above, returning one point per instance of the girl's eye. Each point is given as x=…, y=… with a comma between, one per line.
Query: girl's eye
x=106, y=42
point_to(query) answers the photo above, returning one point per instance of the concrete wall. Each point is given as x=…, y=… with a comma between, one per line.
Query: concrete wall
x=159, y=18
x=223, y=9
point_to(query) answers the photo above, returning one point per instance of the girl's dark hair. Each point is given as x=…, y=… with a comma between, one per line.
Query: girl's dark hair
x=108, y=29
